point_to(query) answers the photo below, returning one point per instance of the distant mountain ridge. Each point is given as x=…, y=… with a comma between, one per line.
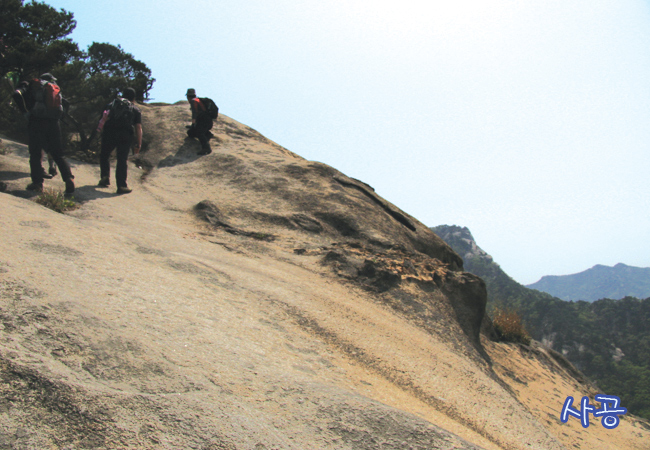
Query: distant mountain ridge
x=598, y=282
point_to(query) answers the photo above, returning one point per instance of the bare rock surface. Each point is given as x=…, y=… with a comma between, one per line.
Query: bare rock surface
x=249, y=299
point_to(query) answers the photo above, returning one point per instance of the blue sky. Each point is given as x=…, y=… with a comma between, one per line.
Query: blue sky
x=526, y=121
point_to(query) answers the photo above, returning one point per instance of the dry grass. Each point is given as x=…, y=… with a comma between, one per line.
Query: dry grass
x=509, y=327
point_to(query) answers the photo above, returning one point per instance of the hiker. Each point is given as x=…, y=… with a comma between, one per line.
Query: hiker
x=121, y=124
x=41, y=101
x=204, y=111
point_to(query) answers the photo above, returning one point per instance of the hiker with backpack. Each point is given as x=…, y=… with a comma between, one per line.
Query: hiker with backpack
x=40, y=100
x=122, y=125
x=204, y=111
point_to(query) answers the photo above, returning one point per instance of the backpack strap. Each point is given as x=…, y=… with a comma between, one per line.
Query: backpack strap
x=200, y=107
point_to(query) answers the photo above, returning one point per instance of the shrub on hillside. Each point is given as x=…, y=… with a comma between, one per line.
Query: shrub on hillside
x=509, y=327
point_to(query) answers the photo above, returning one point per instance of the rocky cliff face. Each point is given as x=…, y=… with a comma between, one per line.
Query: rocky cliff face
x=248, y=299
x=461, y=239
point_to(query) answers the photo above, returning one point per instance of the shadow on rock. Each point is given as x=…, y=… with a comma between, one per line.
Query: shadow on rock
x=6, y=175
x=187, y=153
x=87, y=193
x=23, y=193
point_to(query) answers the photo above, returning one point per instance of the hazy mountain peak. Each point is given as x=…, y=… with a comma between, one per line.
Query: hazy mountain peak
x=599, y=282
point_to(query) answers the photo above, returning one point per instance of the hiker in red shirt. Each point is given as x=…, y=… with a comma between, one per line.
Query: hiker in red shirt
x=201, y=121
x=40, y=100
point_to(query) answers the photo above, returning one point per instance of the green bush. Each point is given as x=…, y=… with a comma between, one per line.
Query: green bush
x=56, y=201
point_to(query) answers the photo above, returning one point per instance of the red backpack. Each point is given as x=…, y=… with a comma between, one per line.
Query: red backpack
x=47, y=99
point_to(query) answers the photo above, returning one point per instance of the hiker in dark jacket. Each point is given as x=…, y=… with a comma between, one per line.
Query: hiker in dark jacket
x=41, y=102
x=122, y=125
x=201, y=122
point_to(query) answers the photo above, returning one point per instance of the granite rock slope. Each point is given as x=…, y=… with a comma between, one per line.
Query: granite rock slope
x=248, y=299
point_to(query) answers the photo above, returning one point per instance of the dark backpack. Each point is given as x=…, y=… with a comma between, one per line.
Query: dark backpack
x=121, y=115
x=48, y=102
x=210, y=107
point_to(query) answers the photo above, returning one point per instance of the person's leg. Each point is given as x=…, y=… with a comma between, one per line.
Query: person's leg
x=35, y=146
x=46, y=174
x=108, y=144
x=123, y=147
x=205, y=144
x=203, y=126
x=55, y=148
x=52, y=170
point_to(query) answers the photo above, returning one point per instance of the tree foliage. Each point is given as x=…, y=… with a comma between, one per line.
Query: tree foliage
x=34, y=37
x=93, y=81
x=34, y=40
x=106, y=60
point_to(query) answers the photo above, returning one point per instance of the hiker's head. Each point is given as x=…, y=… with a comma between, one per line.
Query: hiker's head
x=129, y=94
x=191, y=93
x=48, y=77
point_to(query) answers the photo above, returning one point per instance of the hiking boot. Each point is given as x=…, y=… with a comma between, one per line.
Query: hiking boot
x=69, y=186
x=46, y=175
x=52, y=171
x=104, y=182
x=124, y=190
x=37, y=187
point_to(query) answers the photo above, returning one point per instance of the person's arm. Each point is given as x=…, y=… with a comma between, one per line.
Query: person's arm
x=66, y=105
x=19, y=100
x=138, y=138
x=102, y=121
x=195, y=111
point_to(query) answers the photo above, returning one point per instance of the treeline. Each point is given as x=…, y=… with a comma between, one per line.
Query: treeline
x=34, y=39
x=608, y=340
